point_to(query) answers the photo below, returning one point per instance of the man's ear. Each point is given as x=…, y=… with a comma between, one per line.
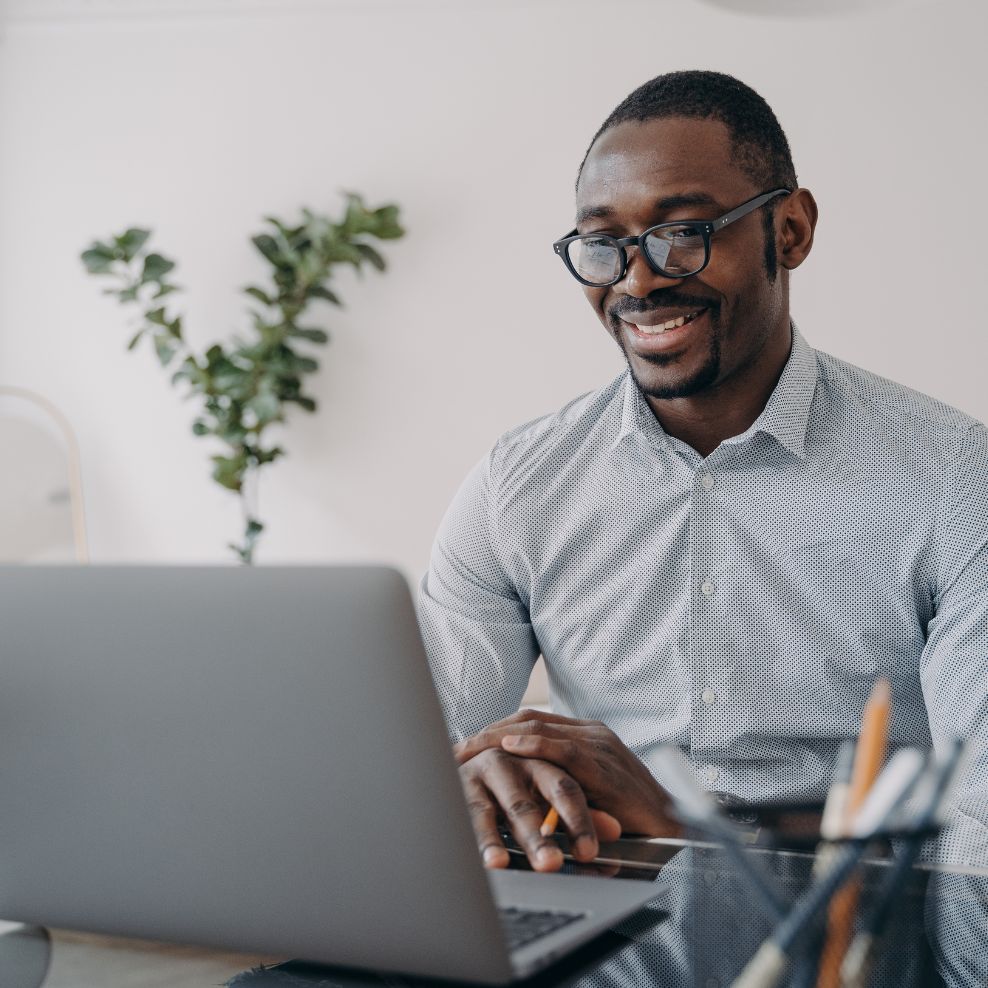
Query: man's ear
x=797, y=221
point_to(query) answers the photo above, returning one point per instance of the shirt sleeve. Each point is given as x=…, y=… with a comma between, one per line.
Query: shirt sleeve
x=954, y=663
x=477, y=632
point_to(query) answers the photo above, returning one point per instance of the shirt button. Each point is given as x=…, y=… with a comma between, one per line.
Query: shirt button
x=709, y=697
x=706, y=588
x=711, y=774
x=706, y=481
x=710, y=878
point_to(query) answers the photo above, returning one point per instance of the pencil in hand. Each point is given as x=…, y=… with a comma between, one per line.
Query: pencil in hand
x=549, y=824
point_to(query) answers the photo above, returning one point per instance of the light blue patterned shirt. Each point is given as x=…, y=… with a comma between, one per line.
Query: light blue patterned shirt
x=739, y=605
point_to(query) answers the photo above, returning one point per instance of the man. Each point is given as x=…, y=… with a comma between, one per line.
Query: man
x=727, y=545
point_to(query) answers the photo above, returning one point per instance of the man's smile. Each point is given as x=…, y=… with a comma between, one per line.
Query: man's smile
x=661, y=329
x=660, y=321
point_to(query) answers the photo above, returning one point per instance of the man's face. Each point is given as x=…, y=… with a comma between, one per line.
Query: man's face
x=640, y=174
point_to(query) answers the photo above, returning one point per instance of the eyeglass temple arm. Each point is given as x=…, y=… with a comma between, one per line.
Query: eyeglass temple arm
x=746, y=207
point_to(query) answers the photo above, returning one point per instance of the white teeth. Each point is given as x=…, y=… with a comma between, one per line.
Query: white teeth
x=662, y=327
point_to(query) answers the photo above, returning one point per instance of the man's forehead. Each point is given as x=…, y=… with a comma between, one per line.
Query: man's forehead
x=656, y=159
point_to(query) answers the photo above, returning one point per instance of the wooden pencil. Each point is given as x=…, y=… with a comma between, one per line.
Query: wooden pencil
x=868, y=758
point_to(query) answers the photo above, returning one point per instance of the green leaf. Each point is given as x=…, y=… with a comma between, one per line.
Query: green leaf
x=308, y=404
x=155, y=267
x=189, y=371
x=129, y=294
x=165, y=347
x=315, y=335
x=98, y=258
x=259, y=295
x=165, y=290
x=135, y=339
x=233, y=435
x=228, y=471
x=317, y=291
x=344, y=252
x=265, y=406
x=355, y=219
x=268, y=455
x=200, y=428
x=156, y=316
x=131, y=241
x=372, y=255
x=265, y=243
x=387, y=226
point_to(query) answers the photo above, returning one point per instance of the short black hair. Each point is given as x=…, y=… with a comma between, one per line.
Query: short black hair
x=760, y=148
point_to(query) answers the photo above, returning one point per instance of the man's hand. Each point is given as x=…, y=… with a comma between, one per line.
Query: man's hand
x=519, y=791
x=609, y=776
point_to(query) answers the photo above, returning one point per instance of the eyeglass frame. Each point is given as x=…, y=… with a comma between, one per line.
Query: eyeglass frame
x=705, y=228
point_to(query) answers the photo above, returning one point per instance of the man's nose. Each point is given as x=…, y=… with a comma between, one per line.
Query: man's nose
x=640, y=280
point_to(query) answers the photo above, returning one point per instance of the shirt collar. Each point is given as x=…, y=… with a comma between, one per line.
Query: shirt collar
x=785, y=415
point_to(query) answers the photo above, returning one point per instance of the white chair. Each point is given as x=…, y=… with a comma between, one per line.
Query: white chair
x=42, y=519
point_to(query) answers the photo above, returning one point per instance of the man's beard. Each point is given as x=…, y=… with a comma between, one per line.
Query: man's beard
x=702, y=378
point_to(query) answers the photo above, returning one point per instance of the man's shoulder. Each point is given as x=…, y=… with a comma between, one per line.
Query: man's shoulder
x=587, y=422
x=889, y=407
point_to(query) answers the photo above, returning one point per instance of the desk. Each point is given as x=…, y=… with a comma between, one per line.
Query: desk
x=938, y=935
x=84, y=960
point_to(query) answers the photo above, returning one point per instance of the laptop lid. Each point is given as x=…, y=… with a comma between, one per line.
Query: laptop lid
x=186, y=753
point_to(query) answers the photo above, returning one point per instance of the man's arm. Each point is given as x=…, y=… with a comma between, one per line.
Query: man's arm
x=477, y=631
x=481, y=649
x=954, y=664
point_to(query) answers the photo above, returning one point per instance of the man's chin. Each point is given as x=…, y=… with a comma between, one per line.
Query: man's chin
x=663, y=380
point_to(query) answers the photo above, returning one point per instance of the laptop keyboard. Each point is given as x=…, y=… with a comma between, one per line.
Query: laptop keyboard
x=522, y=926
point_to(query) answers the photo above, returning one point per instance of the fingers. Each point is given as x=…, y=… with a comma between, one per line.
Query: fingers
x=484, y=814
x=519, y=791
x=567, y=753
x=524, y=815
x=608, y=828
x=534, y=726
x=564, y=793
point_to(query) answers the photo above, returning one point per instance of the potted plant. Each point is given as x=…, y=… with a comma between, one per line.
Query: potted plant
x=245, y=386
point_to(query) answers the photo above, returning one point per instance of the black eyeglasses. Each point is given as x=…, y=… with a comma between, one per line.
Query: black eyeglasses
x=674, y=250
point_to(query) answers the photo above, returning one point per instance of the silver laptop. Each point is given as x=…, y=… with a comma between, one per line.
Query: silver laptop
x=253, y=759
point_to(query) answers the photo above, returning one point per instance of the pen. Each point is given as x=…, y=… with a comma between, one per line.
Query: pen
x=868, y=758
x=769, y=963
x=549, y=824
x=832, y=820
x=930, y=800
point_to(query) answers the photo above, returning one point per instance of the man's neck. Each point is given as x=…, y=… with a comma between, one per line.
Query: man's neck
x=703, y=421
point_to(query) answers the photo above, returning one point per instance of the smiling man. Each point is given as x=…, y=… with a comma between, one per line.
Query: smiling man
x=724, y=547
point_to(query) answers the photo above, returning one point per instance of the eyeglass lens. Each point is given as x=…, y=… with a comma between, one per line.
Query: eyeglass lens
x=676, y=250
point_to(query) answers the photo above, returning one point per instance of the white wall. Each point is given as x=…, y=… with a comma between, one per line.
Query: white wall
x=198, y=118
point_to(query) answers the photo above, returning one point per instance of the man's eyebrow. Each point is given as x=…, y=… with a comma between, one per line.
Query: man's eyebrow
x=667, y=202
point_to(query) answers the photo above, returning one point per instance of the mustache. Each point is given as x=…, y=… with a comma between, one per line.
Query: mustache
x=660, y=299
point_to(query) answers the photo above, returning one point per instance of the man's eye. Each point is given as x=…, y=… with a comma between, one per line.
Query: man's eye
x=684, y=234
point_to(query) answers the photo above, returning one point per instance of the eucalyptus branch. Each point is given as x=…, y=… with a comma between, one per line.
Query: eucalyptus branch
x=246, y=386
